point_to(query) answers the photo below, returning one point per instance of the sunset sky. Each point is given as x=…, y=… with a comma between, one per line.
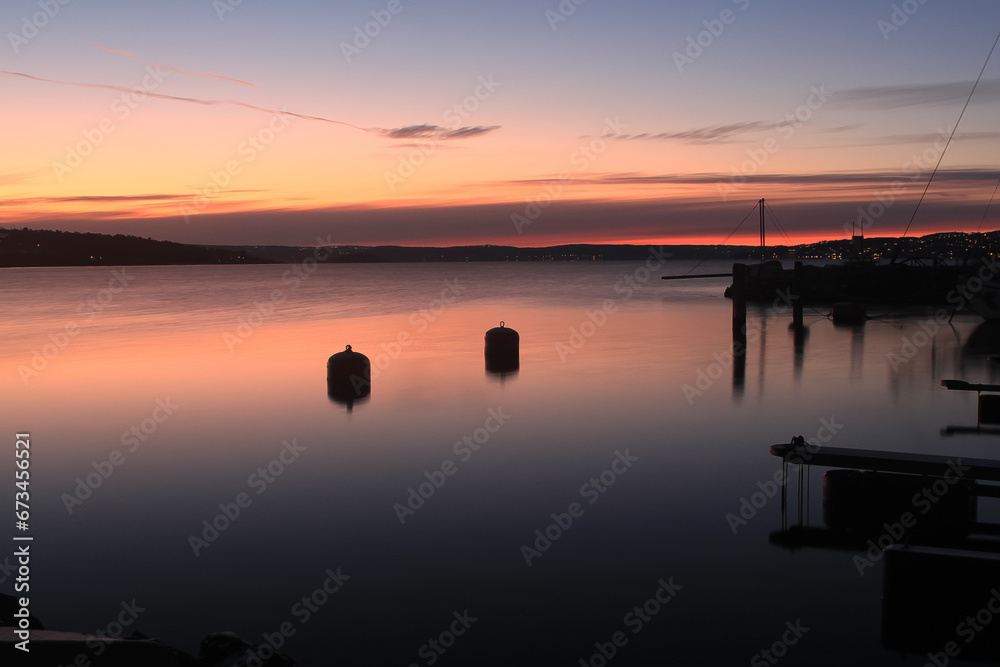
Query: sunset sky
x=439, y=122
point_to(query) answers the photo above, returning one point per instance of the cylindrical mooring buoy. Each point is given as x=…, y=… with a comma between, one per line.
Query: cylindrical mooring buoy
x=502, y=345
x=348, y=375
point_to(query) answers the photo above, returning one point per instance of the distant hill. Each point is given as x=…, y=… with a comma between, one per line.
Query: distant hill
x=947, y=245
x=579, y=252
x=31, y=247
x=27, y=247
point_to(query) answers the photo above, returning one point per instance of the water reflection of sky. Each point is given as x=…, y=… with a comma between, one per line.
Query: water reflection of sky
x=620, y=389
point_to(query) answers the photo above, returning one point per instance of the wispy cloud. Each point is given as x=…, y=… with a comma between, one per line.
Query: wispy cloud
x=202, y=75
x=853, y=178
x=895, y=97
x=191, y=100
x=704, y=135
x=111, y=50
x=722, y=134
x=436, y=132
x=144, y=198
x=422, y=131
x=877, y=97
x=928, y=138
x=839, y=128
x=21, y=177
x=466, y=132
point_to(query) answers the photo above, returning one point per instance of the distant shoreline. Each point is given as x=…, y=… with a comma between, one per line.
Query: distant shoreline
x=24, y=248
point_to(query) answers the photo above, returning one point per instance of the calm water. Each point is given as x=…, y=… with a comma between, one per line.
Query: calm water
x=209, y=383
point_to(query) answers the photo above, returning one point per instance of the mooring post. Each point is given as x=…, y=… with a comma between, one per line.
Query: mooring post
x=797, y=297
x=739, y=295
x=739, y=308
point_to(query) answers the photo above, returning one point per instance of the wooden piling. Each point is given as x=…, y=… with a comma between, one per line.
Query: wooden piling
x=797, y=297
x=739, y=307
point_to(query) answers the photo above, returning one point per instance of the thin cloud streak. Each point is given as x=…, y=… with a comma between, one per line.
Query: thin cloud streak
x=21, y=177
x=111, y=50
x=151, y=198
x=702, y=135
x=202, y=75
x=896, y=97
x=192, y=100
x=894, y=139
x=436, y=132
x=873, y=178
x=721, y=134
x=424, y=131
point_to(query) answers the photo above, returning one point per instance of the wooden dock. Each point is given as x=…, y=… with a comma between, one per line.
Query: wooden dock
x=876, y=460
x=952, y=468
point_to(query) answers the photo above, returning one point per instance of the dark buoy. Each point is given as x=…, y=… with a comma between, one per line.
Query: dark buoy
x=348, y=376
x=849, y=313
x=502, y=345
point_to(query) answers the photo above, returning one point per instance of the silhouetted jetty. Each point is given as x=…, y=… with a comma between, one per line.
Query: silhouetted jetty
x=921, y=279
x=885, y=461
x=915, y=282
